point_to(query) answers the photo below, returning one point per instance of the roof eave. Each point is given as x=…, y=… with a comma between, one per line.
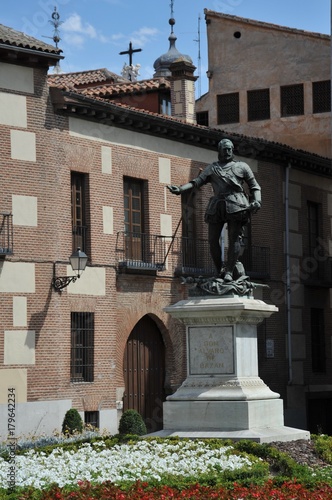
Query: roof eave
x=12, y=53
x=109, y=113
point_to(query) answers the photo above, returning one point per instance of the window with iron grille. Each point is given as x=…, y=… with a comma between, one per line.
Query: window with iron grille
x=228, y=106
x=202, y=118
x=292, y=100
x=317, y=340
x=321, y=96
x=258, y=104
x=82, y=347
x=92, y=418
x=80, y=211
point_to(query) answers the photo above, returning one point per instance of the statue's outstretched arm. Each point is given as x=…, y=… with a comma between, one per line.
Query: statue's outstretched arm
x=180, y=189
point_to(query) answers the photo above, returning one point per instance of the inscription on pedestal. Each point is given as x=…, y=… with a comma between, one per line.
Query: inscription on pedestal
x=211, y=350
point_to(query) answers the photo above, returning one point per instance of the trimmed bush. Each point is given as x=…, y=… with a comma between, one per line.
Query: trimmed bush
x=131, y=422
x=72, y=422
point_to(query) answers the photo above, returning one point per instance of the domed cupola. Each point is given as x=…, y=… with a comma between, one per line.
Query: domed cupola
x=163, y=63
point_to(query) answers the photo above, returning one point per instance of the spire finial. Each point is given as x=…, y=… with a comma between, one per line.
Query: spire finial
x=172, y=20
x=56, y=23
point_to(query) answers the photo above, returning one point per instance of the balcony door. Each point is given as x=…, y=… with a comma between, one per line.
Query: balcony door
x=79, y=210
x=133, y=218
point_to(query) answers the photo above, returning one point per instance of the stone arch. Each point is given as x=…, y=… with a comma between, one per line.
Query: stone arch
x=144, y=372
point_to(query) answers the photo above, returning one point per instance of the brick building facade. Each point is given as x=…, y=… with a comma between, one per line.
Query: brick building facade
x=78, y=170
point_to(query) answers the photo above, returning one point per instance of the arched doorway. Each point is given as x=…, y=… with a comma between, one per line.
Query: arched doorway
x=144, y=373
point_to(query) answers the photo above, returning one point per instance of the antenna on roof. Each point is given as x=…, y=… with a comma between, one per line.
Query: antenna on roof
x=198, y=40
x=56, y=34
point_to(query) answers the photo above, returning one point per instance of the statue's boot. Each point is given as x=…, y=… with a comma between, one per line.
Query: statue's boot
x=228, y=277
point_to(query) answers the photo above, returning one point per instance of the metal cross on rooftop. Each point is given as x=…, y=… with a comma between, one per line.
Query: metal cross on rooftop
x=130, y=51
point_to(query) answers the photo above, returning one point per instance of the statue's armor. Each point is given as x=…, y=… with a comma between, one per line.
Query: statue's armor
x=227, y=184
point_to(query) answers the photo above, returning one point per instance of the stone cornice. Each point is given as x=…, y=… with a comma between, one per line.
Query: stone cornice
x=70, y=103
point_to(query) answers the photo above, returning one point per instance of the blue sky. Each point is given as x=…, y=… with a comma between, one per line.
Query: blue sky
x=93, y=32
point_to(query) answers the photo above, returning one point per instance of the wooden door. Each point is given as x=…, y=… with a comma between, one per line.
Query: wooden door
x=144, y=373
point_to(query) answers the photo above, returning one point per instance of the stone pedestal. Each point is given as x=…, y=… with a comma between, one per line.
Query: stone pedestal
x=223, y=396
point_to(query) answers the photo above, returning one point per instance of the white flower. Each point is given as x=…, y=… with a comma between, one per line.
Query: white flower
x=143, y=460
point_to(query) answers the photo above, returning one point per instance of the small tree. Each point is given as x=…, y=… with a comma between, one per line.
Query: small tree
x=72, y=422
x=131, y=422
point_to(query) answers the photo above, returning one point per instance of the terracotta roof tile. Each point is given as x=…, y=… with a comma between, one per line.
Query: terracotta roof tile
x=126, y=88
x=14, y=38
x=84, y=78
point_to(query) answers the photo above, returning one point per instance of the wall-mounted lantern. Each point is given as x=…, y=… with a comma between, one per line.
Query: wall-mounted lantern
x=78, y=261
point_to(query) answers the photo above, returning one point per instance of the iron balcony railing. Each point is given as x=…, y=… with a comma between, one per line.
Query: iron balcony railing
x=195, y=259
x=141, y=251
x=187, y=256
x=80, y=238
x=256, y=262
x=6, y=233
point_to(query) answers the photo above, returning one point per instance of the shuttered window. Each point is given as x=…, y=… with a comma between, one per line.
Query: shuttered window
x=258, y=104
x=321, y=97
x=292, y=100
x=228, y=106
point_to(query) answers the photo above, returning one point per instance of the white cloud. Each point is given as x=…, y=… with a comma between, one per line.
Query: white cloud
x=76, y=31
x=103, y=39
x=74, y=39
x=144, y=35
x=138, y=38
x=118, y=36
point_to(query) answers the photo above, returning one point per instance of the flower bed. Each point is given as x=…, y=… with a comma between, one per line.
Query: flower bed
x=144, y=460
x=161, y=468
x=107, y=491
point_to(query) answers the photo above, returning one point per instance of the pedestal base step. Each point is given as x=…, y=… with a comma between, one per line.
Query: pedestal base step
x=266, y=435
x=223, y=416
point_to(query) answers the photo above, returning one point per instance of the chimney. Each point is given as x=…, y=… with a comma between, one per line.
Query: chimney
x=183, y=90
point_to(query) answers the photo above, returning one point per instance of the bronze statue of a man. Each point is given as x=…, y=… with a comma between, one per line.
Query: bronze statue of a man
x=229, y=204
